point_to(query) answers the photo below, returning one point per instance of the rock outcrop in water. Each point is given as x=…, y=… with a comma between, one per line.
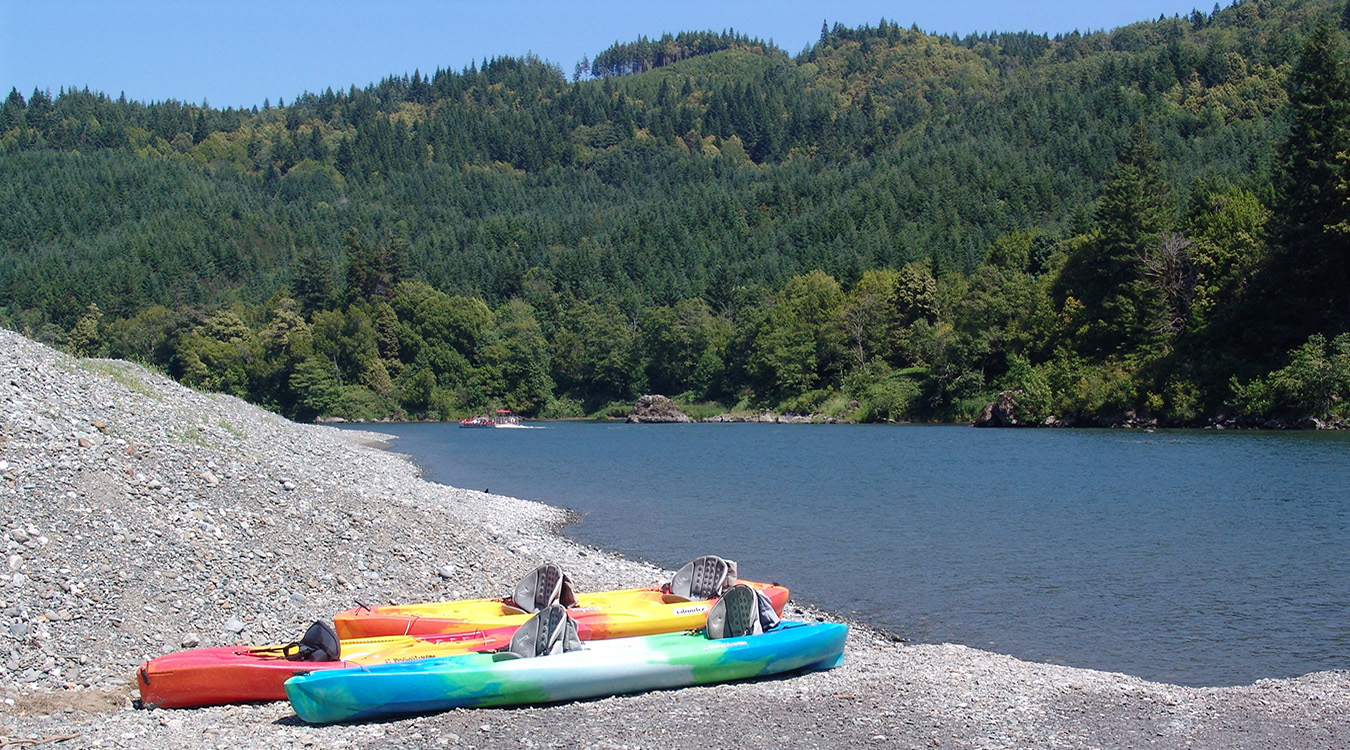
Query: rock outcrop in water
x=139, y=517
x=1001, y=412
x=656, y=409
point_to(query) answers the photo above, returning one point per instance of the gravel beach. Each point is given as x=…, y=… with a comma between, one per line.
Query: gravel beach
x=139, y=517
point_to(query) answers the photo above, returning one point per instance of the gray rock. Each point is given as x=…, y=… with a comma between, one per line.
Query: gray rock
x=656, y=409
x=1001, y=412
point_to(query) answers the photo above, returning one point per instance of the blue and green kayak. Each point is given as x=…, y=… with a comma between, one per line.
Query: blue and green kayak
x=602, y=668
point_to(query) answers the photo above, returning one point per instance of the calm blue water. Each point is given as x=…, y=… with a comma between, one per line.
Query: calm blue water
x=1201, y=558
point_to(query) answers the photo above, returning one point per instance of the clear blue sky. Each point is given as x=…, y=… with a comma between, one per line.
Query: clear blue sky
x=240, y=53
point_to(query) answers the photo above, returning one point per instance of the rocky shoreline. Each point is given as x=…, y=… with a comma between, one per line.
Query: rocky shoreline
x=1004, y=411
x=140, y=517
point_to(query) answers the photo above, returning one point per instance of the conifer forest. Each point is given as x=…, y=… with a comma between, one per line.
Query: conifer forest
x=890, y=225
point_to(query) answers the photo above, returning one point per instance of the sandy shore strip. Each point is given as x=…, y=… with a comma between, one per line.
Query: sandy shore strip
x=139, y=517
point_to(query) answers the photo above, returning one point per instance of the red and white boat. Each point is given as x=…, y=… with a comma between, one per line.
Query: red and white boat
x=478, y=422
x=504, y=418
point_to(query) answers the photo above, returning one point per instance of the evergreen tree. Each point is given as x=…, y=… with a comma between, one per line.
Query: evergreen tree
x=1314, y=231
x=12, y=111
x=1107, y=276
x=372, y=269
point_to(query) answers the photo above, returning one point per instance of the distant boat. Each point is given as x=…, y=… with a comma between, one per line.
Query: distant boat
x=504, y=418
x=478, y=422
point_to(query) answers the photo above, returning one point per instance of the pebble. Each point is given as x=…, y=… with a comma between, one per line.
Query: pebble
x=128, y=548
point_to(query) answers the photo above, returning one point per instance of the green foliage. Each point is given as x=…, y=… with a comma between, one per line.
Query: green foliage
x=516, y=363
x=356, y=402
x=1035, y=395
x=315, y=383
x=417, y=391
x=84, y=339
x=811, y=402
x=870, y=315
x=1085, y=389
x=683, y=347
x=700, y=409
x=613, y=410
x=645, y=54
x=1315, y=382
x=562, y=408
x=798, y=346
x=1228, y=229
x=883, y=395
x=214, y=356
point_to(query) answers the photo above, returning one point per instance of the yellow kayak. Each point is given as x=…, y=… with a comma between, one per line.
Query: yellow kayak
x=680, y=605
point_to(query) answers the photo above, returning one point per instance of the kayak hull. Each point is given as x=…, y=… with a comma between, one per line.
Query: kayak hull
x=242, y=674
x=599, y=615
x=602, y=668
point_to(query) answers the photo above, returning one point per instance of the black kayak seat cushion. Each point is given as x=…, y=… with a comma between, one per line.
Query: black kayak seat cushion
x=740, y=611
x=550, y=631
x=705, y=577
x=541, y=587
x=319, y=643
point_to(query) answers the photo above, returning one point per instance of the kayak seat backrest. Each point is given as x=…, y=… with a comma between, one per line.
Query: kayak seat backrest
x=702, y=578
x=319, y=643
x=740, y=611
x=550, y=631
x=541, y=587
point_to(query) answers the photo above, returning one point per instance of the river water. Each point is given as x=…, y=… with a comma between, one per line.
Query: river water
x=1194, y=557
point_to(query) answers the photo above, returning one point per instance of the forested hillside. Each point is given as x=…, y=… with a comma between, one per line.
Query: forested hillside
x=889, y=225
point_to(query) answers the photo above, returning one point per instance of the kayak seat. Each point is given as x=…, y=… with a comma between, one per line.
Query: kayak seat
x=740, y=611
x=319, y=643
x=702, y=578
x=541, y=587
x=550, y=631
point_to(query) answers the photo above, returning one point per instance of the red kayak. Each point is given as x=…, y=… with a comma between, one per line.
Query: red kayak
x=240, y=674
